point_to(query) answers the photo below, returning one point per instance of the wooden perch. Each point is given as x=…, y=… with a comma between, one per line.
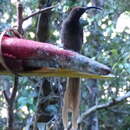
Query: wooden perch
x=103, y=106
x=38, y=12
x=29, y=57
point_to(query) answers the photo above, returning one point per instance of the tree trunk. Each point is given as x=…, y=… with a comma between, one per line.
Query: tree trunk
x=10, y=116
x=47, y=89
x=42, y=35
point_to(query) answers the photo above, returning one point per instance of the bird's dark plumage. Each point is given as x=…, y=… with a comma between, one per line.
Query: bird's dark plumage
x=72, y=31
x=72, y=38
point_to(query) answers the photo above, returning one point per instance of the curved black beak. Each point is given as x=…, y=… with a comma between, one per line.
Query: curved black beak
x=93, y=7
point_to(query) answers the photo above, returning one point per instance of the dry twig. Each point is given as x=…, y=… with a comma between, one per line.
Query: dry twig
x=38, y=12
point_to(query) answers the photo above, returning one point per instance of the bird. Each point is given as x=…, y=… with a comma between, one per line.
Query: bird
x=72, y=39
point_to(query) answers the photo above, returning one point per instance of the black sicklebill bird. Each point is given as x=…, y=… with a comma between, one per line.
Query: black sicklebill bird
x=72, y=31
x=72, y=38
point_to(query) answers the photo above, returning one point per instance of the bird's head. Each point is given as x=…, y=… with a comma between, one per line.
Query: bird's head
x=76, y=12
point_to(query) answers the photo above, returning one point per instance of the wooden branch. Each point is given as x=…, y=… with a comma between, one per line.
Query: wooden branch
x=118, y=111
x=19, y=17
x=103, y=106
x=6, y=96
x=15, y=88
x=11, y=99
x=38, y=12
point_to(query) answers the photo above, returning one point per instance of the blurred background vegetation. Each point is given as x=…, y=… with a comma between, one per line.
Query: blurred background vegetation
x=106, y=39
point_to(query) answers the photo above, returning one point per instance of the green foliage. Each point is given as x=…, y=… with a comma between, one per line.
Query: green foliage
x=113, y=49
x=26, y=95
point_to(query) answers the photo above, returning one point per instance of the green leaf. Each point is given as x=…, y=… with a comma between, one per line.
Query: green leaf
x=22, y=101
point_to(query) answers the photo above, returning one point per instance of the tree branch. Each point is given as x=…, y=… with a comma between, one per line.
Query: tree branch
x=19, y=17
x=6, y=96
x=15, y=87
x=11, y=100
x=102, y=106
x=38, y=12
